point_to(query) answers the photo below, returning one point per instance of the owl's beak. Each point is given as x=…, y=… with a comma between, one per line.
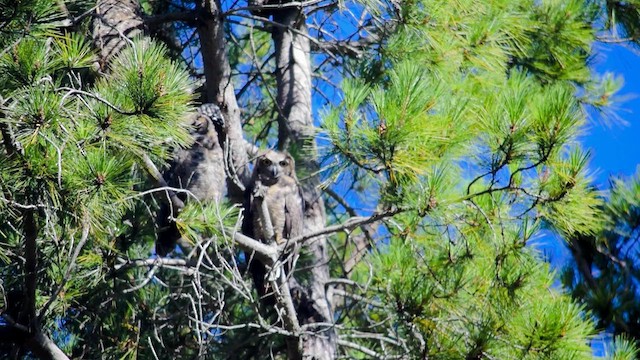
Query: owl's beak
x=274, y=172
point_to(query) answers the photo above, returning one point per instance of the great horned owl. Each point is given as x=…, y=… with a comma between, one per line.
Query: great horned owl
x=274, y=182
x=197, y=169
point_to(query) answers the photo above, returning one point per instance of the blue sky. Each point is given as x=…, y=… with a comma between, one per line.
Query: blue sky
x=615, y=148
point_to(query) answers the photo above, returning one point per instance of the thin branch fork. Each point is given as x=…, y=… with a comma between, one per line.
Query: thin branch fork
x=67, y=274
x=346, y=227
x=362, y=349
x=176, y=203
x=280, y=283
x=265, y=253
x=346, y=294
x=72, y=91
x=287, y=5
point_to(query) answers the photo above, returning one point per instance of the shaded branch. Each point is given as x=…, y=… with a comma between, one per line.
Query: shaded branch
x=220, y=91
x=360, y=348
x=176, y=203
x=28, y=312
x=189, y=17
x=37, y=342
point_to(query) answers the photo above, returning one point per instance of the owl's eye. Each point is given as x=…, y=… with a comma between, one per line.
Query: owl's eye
x=283, y=163
x=265, y=162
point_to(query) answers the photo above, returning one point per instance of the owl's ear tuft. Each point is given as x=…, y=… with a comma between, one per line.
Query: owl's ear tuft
x=292, y=164
x=289, y=158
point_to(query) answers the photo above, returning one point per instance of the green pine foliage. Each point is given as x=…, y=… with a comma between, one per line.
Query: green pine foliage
x=459, y=128
x=624, y=349
x=82, y=145
x=480, y=148
x=604, y=277
x=26, y=18
x=76, y=163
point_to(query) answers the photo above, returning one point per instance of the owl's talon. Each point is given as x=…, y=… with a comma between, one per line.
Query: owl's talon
x=259, y=191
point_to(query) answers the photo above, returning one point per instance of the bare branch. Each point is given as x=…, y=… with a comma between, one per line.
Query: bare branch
x=346, y=226
x=72, y=91
x=176, y=203
x=144, y=282
x=360, y=298
x=67, y=274
x=265, y=253
x=150, y=262
x=190, y=17
x=281, y=6
x=42, y=346
x=360, y=348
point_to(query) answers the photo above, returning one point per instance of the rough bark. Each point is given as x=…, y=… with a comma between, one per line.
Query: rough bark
x=296, y=127
x=220, y=91
x=293, y=75
x=115, y=22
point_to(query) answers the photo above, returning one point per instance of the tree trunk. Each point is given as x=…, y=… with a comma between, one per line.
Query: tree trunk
x=24, y=328
x=115, y=22
x=220, y=91
x=293, y=75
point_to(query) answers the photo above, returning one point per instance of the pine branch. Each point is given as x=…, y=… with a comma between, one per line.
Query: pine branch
x=67, y=274
x=372, y=354
x=175, y=202
x=37, y=342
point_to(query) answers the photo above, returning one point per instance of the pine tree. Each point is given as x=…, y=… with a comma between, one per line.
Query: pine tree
x=433, y=140
x=603, y=276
